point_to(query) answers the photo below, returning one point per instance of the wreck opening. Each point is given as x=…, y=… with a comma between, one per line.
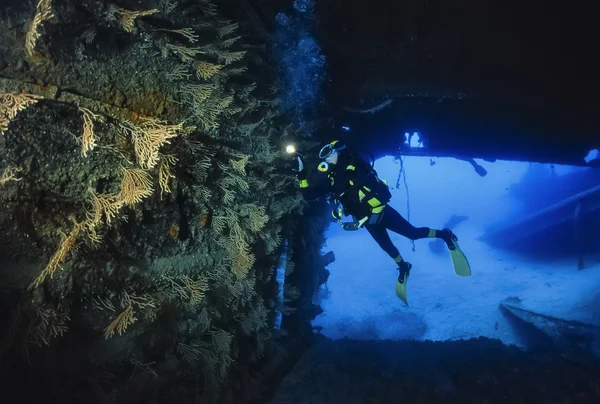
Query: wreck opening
x=528, y=228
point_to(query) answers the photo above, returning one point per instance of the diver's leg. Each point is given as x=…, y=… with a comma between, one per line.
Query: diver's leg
x=394, y=221
x=381, y=236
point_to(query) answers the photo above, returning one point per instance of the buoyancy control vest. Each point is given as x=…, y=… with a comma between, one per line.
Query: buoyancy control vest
x=357, y=187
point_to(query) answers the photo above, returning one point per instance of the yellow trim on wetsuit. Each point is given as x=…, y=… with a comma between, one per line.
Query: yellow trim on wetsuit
x=373, y=202
x=378, y=209
x=361, y=194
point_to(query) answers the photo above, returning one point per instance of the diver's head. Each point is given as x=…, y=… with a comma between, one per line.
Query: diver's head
x=331, y=152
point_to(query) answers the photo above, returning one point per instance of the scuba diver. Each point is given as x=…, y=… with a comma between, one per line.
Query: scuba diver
x=357, y=191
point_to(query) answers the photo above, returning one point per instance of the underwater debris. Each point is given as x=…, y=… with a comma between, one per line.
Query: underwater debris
x=565, y=334
x=592, y=158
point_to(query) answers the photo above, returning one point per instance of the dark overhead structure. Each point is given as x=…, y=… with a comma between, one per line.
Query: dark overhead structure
x=477, y=78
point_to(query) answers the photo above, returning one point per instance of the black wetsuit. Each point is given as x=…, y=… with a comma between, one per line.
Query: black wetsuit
x=392, y=220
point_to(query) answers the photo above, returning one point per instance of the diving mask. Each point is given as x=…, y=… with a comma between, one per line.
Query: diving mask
x=329, y=154
x=329, y=149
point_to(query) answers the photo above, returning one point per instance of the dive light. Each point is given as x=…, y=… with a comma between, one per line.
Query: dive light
x=291, y=150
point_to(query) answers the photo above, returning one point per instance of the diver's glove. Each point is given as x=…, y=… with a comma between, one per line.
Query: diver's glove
x=300, y=163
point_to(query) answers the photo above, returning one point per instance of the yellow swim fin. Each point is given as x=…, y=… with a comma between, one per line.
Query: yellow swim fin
x=402, y=281
x=401, y=290
x=459, y=261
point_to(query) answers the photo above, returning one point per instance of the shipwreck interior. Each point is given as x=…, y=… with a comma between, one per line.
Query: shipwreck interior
x=154, y=245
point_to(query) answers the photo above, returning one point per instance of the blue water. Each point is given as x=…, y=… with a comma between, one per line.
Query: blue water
x=361, y=302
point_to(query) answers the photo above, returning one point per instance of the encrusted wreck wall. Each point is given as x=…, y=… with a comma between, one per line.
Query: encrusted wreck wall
x=143, y=204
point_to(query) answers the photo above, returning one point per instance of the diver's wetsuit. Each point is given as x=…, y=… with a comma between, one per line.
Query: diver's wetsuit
x=345, y=181
x=392, y=220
